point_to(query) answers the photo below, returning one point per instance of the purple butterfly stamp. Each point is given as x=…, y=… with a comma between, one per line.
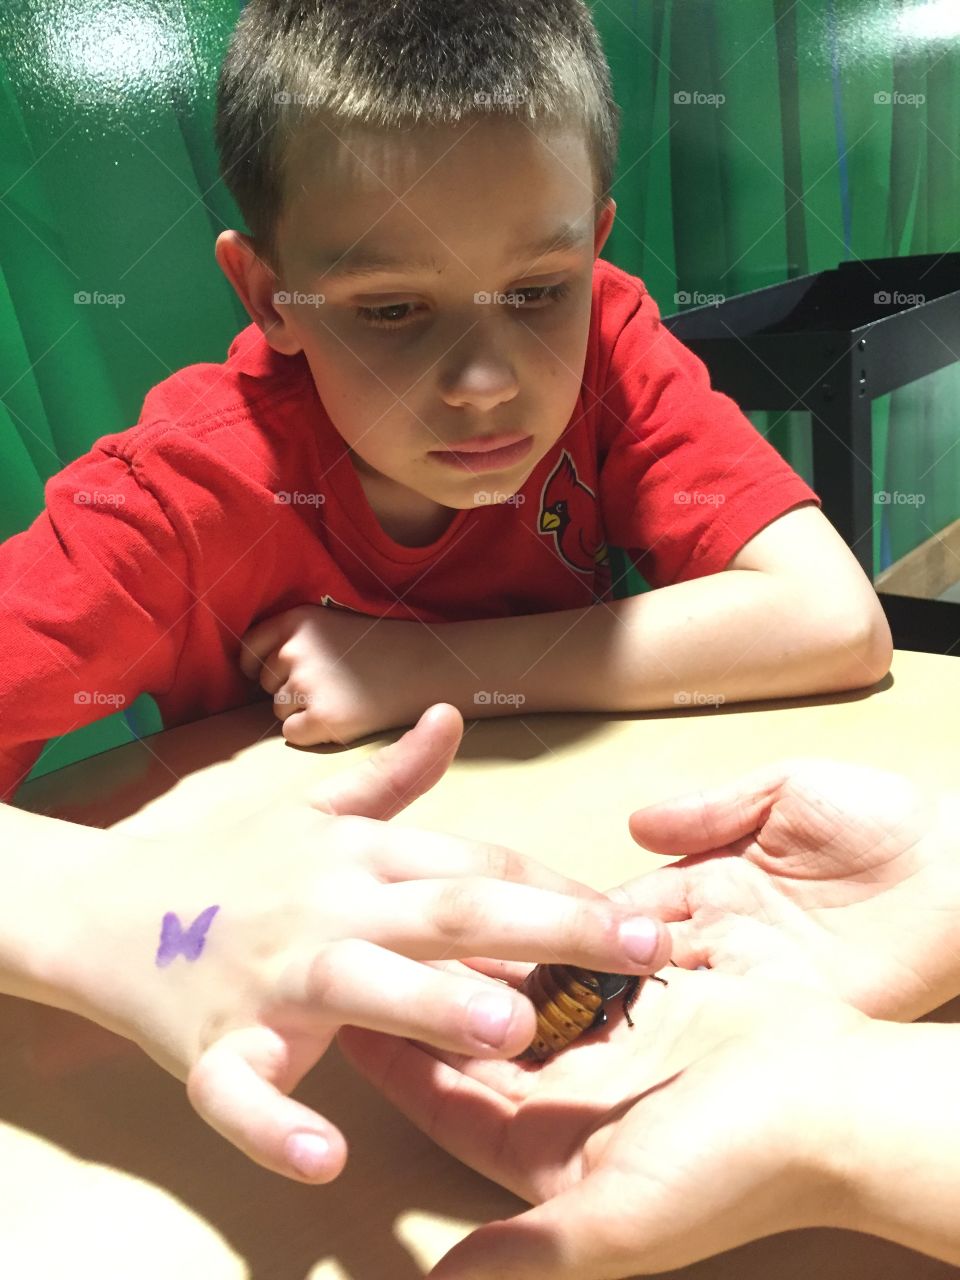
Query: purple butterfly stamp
x=177, y=941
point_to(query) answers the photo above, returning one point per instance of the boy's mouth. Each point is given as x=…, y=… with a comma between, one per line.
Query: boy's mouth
x=494, y=453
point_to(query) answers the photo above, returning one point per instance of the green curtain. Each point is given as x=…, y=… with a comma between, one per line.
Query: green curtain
x=785, y=163
x=108, y=186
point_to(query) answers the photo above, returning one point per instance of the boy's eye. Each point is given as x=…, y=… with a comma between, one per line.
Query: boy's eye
x=396, y=314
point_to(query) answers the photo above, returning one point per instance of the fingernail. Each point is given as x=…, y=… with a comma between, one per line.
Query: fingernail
x=308, y=1153
x=640, y=938
x=488, y=1016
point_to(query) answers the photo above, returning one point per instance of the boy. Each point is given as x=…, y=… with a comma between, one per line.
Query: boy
x=399, y=487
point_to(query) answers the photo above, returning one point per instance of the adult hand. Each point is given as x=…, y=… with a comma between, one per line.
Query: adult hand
x=717, y=1119
x=817, y=871
x=233, y=955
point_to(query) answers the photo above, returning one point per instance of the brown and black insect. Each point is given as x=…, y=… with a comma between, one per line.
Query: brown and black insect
x=571, y=1001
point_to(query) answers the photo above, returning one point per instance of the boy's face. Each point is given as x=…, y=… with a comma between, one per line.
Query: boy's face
x=419, y=370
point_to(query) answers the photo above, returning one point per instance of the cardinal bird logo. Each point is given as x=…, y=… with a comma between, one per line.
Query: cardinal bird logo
x=568, y=513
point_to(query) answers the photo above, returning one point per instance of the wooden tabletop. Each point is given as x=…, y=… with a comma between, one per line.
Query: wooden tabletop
x=105, y=1170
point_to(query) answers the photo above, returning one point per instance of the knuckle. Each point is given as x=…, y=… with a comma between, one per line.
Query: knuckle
x=457, y=909
x=503, y=863
x=357, y=838
x=589, y=923
x=202, y=1083
x=289, y=651
x=334, y=969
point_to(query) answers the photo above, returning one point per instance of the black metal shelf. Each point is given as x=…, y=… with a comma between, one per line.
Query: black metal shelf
x=831, y=343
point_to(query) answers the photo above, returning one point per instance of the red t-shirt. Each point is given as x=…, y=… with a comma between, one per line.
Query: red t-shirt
x=233, y=498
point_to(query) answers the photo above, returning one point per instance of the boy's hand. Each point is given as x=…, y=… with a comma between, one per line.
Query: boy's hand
x=335, y=676
x=233, y=955
x=718, y=1118
x=817, y=871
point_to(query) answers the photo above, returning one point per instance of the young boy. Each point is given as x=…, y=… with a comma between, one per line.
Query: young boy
x=400, y=486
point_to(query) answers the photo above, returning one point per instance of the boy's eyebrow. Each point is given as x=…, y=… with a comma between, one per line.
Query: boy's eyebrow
x=365, y=262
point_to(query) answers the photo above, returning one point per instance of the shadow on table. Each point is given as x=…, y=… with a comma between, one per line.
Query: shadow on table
x=107, y=788
x=100, y=1099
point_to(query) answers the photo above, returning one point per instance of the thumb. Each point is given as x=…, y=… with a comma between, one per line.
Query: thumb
x=392, y=778
x=704, y=821
x=231, y=1088
x=561, y=1239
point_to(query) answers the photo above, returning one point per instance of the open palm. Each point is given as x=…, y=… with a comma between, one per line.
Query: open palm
x=817, y=871
x=641, y=1149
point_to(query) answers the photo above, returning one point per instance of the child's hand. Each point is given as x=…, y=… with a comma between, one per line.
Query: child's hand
x=233, y=955
x=818, y=871
x=335, y=676
x=718, y=1118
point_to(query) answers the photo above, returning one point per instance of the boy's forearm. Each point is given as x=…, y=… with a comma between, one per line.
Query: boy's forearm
x=727, y=637
x=896, y=1148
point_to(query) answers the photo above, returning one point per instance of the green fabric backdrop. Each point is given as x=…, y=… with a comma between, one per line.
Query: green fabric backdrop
x=108, y=185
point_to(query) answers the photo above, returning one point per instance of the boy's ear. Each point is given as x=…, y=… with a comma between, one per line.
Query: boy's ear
x=608, y=211
x=256, y=284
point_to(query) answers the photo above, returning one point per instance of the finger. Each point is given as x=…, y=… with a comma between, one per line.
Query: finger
x=441, y=919
x=662, y=893
x=393, y=777
x=274, y=673
x=691, y=949
x=356, y=982
x=289, y=702
x=230, y=1087
x=305, y=726
x=420, y=855
x=584, y=1233
x=709, y=819
x=466, y=1118
x=512, y=971
x=260, y=641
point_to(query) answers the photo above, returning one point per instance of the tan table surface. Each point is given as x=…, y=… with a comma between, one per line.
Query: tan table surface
x=105, y=1171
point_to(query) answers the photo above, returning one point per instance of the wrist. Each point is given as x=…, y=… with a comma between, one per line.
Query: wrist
x=921, y=923
x=814, y=1162
x=36, y=856
x=837, y=1126
x=892, y=1163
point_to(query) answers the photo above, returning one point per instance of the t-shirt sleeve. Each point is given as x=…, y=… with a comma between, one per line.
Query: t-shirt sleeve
x=686, y=479
x=95, y=601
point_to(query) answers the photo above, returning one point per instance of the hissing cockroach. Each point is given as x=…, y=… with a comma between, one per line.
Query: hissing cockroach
x=570, y=1001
